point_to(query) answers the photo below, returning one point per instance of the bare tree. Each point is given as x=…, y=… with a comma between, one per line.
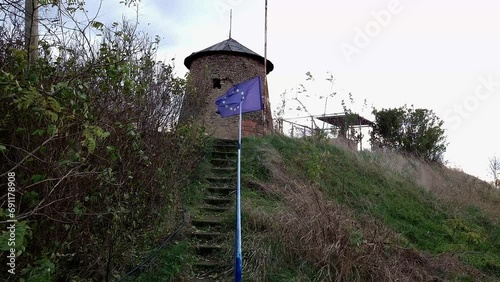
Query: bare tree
x=494, y=166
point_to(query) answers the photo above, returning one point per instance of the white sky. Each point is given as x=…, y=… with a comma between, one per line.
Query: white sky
x=432, y=54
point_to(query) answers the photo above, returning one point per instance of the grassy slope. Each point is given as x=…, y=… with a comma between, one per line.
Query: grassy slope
x=425, y=222
x=362, y=191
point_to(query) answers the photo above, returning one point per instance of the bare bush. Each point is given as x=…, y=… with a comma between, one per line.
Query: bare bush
x=494, y=169
x=456, y=188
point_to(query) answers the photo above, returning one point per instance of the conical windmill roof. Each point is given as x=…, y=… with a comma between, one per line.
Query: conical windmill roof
x=229, y=46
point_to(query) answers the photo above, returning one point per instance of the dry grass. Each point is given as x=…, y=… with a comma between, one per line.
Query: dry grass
x=324, y=234
x=452, y=186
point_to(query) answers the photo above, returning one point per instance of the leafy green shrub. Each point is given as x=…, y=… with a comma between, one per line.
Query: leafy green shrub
x=415, y=131
x=91, y=132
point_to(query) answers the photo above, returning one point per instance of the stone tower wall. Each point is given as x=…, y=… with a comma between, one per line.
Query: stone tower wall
x=199, y=104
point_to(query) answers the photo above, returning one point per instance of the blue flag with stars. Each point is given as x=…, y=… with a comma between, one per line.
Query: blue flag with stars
x=248, y=94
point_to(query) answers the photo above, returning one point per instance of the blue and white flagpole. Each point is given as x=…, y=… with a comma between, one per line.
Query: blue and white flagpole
x=238, y=262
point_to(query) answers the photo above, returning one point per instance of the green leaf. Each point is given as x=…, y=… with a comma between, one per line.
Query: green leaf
x=91, y=144
x=38, y=132
x=51, y=129
x=38, y=177
x=53, y=116
x=97, y=25
x=32, y=77
x=78, y=209
x=54, y=104
x=3, y=148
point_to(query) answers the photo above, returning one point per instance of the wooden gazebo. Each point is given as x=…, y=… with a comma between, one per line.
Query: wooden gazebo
x=346, y=121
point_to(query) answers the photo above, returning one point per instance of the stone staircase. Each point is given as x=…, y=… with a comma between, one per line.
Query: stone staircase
x=212, y=223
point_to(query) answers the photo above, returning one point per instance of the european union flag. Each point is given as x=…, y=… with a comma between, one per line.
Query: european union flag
x=248, y=94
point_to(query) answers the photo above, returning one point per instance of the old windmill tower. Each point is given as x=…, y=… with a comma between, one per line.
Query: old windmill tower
x=214, y=71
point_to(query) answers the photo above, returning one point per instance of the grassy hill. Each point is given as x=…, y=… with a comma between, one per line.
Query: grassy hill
x=326, y=213
x=317, y=211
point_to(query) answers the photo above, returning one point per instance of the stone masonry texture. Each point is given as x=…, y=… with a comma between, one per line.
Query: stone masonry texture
x=199, y=104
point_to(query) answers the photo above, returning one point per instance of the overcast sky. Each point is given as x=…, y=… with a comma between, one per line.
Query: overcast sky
x=439, y=55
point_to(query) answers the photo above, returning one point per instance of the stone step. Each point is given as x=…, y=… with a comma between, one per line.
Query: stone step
x=221, y=171
x=223, y=142
x=231, y=174
x=221, y=184
x=230, y=167
x=225, y=155
x=224, y=151
x=220, y=179
x=208, y=249
x=221, y=190
x=209, y=228
x=215, y=209
x=217, y=201
x=223, y=162
x=207, y=222
x=228, y=149
x=205, y=235
x=209, y=264
x=210, y=269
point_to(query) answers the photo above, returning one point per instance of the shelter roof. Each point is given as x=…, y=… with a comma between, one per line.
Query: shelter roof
x=343, y=119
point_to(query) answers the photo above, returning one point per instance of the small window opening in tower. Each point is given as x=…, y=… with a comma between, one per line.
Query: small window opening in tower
x=216, y=82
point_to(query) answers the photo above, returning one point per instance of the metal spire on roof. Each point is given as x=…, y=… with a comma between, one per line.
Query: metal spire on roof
x=230, y=22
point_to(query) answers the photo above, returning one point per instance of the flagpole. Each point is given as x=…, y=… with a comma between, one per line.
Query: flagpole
x=264, y=112
x=238, y=263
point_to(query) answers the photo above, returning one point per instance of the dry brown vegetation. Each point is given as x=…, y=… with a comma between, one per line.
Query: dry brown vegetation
x=452, y=186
